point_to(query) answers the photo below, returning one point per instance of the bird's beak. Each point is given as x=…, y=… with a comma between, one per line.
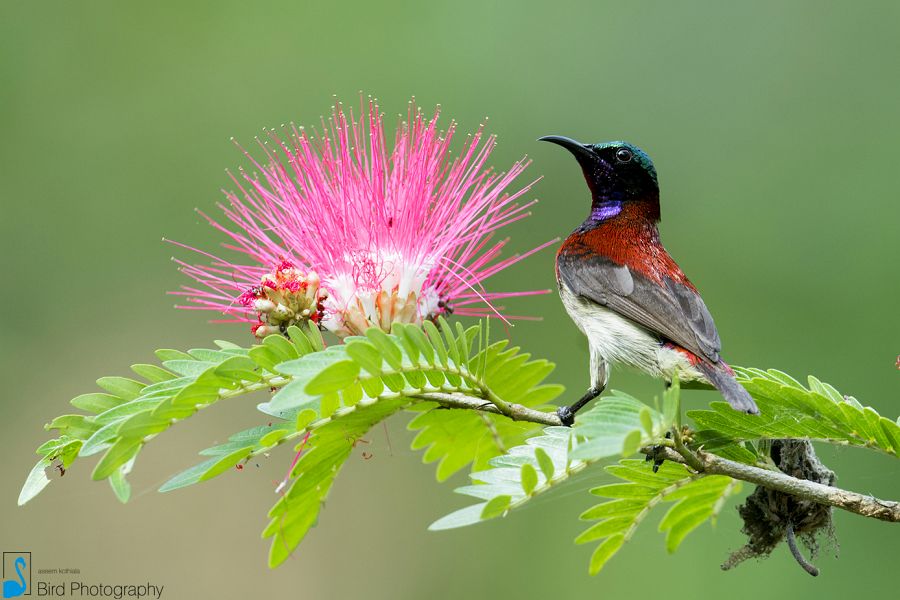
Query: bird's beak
x=579, y=150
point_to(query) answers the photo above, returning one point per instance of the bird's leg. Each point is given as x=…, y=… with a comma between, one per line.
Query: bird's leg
x=566, y=414
x=599, y=379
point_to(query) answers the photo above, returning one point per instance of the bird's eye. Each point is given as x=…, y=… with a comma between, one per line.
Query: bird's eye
x=623, y=155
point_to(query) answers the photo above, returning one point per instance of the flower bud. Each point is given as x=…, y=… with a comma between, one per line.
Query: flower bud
x=263, y=306
x=262, y=331
x=282, y=312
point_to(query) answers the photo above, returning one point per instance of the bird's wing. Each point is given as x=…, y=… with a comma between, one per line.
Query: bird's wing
x=671, y=310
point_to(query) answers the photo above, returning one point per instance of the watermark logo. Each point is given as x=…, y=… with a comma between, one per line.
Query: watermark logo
x=18, y=582
x=16, y=574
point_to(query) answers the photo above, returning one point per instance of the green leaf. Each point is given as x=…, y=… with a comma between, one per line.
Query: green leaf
x=122, y=387
x=265, y=357
x=95, y=402
x=618, y=424
x=324, y=453
x=460, y=518
x=789, y=410
x=417, y=337
x=647, y=421
x=152, y=373
x=434, y=338
x=121, y=452
x=386, y=347
x=141, y=425
x=333, y=378
x=632, y=443
x=226, y=462
x=312, y=333
x=166, y=354
x=545, y=462
x=605, y=528
x=36, y=481
x=452, y=347
x=604, y=552
x=456, y=439
x=77, y=426
x=513, y=478
x=188, y=476
x=132, y=413
x=120, y=486
x=283, y=349
x=303, y=342
x=410, y=349
x=239, y=368
x=529, y=478
x=366, y=356
x=697, y=498
x=463, y=343
x=495, y=507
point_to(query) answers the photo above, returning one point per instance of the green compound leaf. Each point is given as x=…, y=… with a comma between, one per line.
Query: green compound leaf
x=130, y=413
x=617, y=425
x=696, y=497
x=239, y=447
x=516, y=477
x=324, y=453
x=456, y=439
x=390, y=369
x=327, y=398
x=790, y=410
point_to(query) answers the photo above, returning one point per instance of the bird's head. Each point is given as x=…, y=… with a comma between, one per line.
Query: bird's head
x=616, y=172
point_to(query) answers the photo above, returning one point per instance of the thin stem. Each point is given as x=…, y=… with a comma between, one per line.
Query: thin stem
x=516, y=412
x=689, y=457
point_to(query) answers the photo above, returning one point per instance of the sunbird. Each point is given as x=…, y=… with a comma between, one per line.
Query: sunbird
x=624, y=291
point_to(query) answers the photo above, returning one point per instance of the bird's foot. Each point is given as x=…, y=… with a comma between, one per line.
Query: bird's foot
x=657, y=453
x=566, y=415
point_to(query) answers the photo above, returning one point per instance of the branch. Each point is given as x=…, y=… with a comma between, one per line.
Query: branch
x=867, y=506
x=516, y=412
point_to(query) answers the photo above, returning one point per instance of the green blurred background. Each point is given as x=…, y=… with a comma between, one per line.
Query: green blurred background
x=774, y=129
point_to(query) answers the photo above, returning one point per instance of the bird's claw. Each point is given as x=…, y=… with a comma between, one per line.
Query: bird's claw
x=566, y=415
x=655, y=454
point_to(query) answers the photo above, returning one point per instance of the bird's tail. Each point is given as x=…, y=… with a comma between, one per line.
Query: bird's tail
x=722, y=378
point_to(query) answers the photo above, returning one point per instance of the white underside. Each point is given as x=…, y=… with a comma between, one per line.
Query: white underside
x=613, y=339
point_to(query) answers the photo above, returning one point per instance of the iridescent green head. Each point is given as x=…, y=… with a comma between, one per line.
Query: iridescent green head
x=614, y=171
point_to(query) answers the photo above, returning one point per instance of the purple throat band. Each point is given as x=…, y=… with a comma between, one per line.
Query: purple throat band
x=606, y=210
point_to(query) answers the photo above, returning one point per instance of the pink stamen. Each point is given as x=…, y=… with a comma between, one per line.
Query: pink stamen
x=368, y=218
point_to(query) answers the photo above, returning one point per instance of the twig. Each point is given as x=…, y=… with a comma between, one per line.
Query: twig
x=801, y=560
x=516, y=412
x=867, y=506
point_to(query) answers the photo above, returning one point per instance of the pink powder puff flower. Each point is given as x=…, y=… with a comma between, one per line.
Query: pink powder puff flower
x=346, y=232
